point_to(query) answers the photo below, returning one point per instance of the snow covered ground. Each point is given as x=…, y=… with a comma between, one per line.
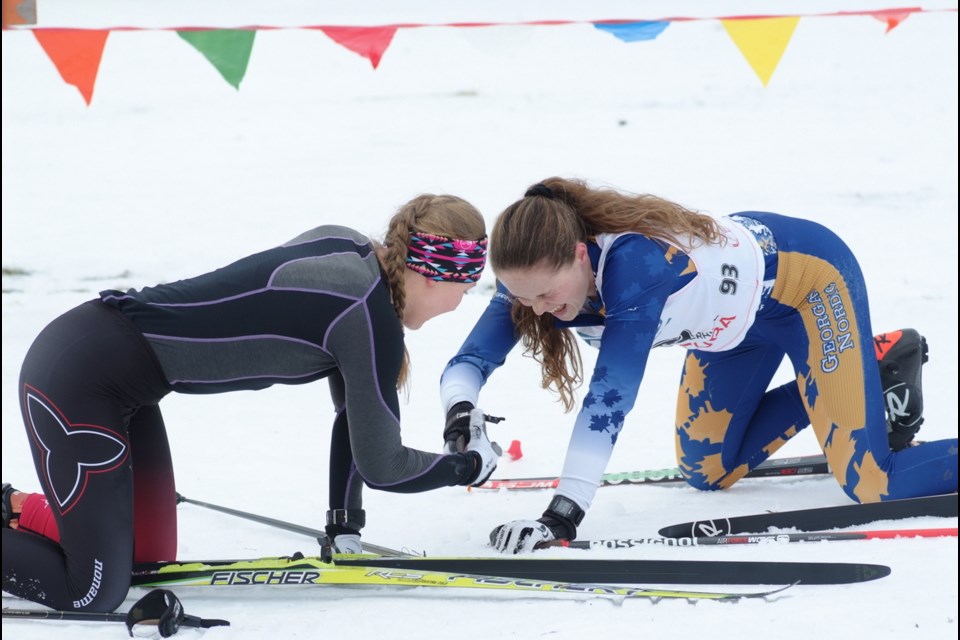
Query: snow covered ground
x=171, y=172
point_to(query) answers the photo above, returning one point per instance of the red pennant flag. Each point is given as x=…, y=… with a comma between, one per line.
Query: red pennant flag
x=369, y=42
x=76, y=54
x=892, y=17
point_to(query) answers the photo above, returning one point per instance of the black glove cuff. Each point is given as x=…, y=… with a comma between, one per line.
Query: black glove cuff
x=458, y=420
x=349, y=521
x=475, y=465
x=562, y=516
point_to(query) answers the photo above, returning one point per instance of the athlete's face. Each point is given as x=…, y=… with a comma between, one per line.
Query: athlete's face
x=427, y=299
x=560, y=292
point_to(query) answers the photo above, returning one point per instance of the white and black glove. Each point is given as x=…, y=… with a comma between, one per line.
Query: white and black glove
x=456, y=433
x=483, y=452
x=559, y=522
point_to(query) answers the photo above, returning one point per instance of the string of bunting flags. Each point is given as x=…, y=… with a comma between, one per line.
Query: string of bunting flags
x=762, y=39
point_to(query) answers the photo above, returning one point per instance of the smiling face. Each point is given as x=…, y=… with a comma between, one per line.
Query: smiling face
x=560, y=292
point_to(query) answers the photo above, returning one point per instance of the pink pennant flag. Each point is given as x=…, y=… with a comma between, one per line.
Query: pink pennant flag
x=369, y=42
x=892, y=17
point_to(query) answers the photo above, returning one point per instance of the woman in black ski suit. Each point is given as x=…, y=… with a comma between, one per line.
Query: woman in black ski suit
x=330, y=304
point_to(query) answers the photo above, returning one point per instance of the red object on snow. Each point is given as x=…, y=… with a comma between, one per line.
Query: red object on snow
x=514, y=451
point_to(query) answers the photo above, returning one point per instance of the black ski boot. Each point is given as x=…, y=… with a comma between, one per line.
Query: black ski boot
x=900, y=355
x=8, y=513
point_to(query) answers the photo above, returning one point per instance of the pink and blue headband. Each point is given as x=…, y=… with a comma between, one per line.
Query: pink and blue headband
x=446, y=259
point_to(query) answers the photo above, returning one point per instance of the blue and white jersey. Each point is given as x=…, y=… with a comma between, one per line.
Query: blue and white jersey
x=649, y=293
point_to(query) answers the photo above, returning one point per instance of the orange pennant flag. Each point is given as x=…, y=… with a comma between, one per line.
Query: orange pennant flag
x=762, y=41
x=369, y=42
x=76, y=54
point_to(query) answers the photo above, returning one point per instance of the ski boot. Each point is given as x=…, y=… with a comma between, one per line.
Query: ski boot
x=900, y=355
x=8, y=513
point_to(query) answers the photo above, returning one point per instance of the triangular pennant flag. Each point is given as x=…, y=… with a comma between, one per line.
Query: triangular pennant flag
x=892, y=17
x=634, y=31
x=762, y=41
x=369, y=42
x=228, y=50
x=76, y=54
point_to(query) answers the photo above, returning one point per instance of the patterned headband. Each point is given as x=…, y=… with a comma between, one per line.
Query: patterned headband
x=446, y=259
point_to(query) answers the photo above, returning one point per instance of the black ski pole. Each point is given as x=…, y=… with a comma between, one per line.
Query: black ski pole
x=160, y=608
x=51, y=614
x=317, y=534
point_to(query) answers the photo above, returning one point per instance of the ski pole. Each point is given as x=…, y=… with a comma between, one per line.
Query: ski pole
x=83, y=616
x=320, y=536
x=160, y=608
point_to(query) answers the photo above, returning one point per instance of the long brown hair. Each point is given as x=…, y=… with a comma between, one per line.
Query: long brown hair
x=543, y=229
x=444, y=215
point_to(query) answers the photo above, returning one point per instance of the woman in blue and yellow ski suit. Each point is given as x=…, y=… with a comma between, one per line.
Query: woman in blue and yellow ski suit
x=739, y=293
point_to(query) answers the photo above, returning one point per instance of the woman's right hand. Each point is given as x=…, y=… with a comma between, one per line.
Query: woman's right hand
x=485, y=453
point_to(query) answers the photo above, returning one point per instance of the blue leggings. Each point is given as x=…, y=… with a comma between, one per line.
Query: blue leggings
x=728, y=422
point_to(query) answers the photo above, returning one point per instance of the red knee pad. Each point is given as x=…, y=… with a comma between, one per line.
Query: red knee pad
x=37, y=516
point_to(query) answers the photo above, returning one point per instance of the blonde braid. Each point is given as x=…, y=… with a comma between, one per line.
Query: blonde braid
x=428, y=213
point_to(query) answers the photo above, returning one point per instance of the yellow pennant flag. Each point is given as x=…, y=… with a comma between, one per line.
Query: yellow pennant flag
x=762, y=41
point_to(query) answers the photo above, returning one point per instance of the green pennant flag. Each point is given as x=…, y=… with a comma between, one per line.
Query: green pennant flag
x=228, y=50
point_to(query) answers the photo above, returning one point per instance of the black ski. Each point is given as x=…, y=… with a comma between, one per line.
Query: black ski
x=592, y=571
x=818, y=519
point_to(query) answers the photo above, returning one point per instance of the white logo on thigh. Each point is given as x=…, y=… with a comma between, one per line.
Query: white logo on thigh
x=70, y=452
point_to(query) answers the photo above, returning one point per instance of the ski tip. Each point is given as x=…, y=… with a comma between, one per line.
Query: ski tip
x=874, y=572
x=850, y=573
